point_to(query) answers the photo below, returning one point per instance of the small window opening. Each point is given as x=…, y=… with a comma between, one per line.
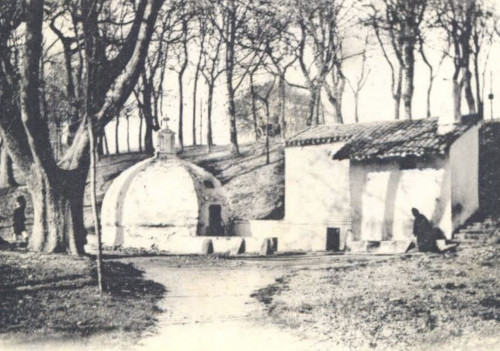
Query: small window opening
x=408, y=163
x=208, y=184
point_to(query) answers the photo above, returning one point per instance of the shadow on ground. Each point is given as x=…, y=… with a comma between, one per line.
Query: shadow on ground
x=56, y=296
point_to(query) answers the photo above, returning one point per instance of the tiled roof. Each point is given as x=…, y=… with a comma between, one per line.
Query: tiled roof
x=382, y=140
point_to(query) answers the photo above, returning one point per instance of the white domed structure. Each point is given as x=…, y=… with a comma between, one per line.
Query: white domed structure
x=161, y=200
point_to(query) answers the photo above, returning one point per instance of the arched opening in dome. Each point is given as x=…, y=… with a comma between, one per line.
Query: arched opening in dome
x=215, y=223
x=208, y=184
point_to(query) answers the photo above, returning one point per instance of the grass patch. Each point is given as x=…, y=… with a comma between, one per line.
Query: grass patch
x=419, y=302
x=55, y=296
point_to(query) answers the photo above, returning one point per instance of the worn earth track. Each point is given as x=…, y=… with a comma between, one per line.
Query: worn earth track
x=208, y=306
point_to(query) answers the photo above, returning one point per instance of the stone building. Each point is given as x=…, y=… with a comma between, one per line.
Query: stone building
x=353, y=186
x=164, y=203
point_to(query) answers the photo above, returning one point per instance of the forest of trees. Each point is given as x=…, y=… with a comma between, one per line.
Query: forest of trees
x=69, y=67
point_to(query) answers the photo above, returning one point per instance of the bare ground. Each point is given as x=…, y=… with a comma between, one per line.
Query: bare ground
x=307, y=302
x=413, y=302
x=55, y=297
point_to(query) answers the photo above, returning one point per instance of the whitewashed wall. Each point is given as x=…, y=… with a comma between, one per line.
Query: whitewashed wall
x=382, y=197
x=155, y=200
x=316, y=186
x=464, y=163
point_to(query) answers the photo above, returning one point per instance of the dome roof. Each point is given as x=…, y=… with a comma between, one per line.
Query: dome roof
x=159, y=197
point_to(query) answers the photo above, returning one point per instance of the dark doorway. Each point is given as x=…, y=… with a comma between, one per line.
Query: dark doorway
x=215, y=226
x=332, y=239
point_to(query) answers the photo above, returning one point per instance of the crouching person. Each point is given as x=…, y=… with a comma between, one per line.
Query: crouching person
x=428, y=238
x=19, y=226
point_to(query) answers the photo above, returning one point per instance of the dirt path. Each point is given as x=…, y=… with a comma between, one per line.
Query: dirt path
x=207, y=306
x=210, y=308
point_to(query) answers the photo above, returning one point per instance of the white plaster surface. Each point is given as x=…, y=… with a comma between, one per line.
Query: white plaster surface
x=464, y=163
x=383, y=196
x=316, y=186
x=156, y=200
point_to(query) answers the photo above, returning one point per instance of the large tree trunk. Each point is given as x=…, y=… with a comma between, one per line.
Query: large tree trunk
x=58, y=212
x=6, y=169
x=57, y=190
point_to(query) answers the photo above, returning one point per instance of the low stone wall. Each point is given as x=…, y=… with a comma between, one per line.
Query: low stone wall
x=194, y=245
x=313, y=237
x=291, y=236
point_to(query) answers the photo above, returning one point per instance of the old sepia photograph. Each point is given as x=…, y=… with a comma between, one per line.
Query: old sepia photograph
x=250, y=175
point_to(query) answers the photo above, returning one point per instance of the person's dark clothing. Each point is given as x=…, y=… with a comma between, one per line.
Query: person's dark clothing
x=19, y=220
x=423, y=231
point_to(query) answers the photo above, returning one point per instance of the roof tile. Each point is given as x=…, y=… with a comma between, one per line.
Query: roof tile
x=381, y=140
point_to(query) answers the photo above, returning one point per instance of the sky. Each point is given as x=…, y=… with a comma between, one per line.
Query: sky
x=376, y=102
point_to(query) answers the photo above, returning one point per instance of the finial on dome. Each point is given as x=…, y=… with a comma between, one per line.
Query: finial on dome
x=164, y=123
x=165, y=147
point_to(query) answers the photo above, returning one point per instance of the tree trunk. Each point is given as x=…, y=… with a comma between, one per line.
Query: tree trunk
x=268, y=115
x=128, y=133
x=141, y=118
x=254, y=108
x=457, y=99
x=194, y=106
x=57, y=189
x=356, y=107
x=181, y=112
x=479, y=97
x=230, y=42
x=335, y=97
x=281, y=106
x=117, y=135
x=210, y=141
x=232, y=118
x=148, y=118
x=316, y=110
x=469, y=96
x=397, y=95
x=195, y=93
x=105, y=143
x=58, y=212
x=428, y=97
x=409, y=72
x=6, y=169
x=312, y=105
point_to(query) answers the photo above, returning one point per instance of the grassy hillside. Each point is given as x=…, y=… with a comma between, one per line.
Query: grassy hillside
x=255, y=190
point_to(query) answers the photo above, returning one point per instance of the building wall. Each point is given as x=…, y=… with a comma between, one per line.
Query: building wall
x=382, y=196
x=316, y=197
x=291, y=236
x=316, y=186
x=464, y=163
x=155, y=200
